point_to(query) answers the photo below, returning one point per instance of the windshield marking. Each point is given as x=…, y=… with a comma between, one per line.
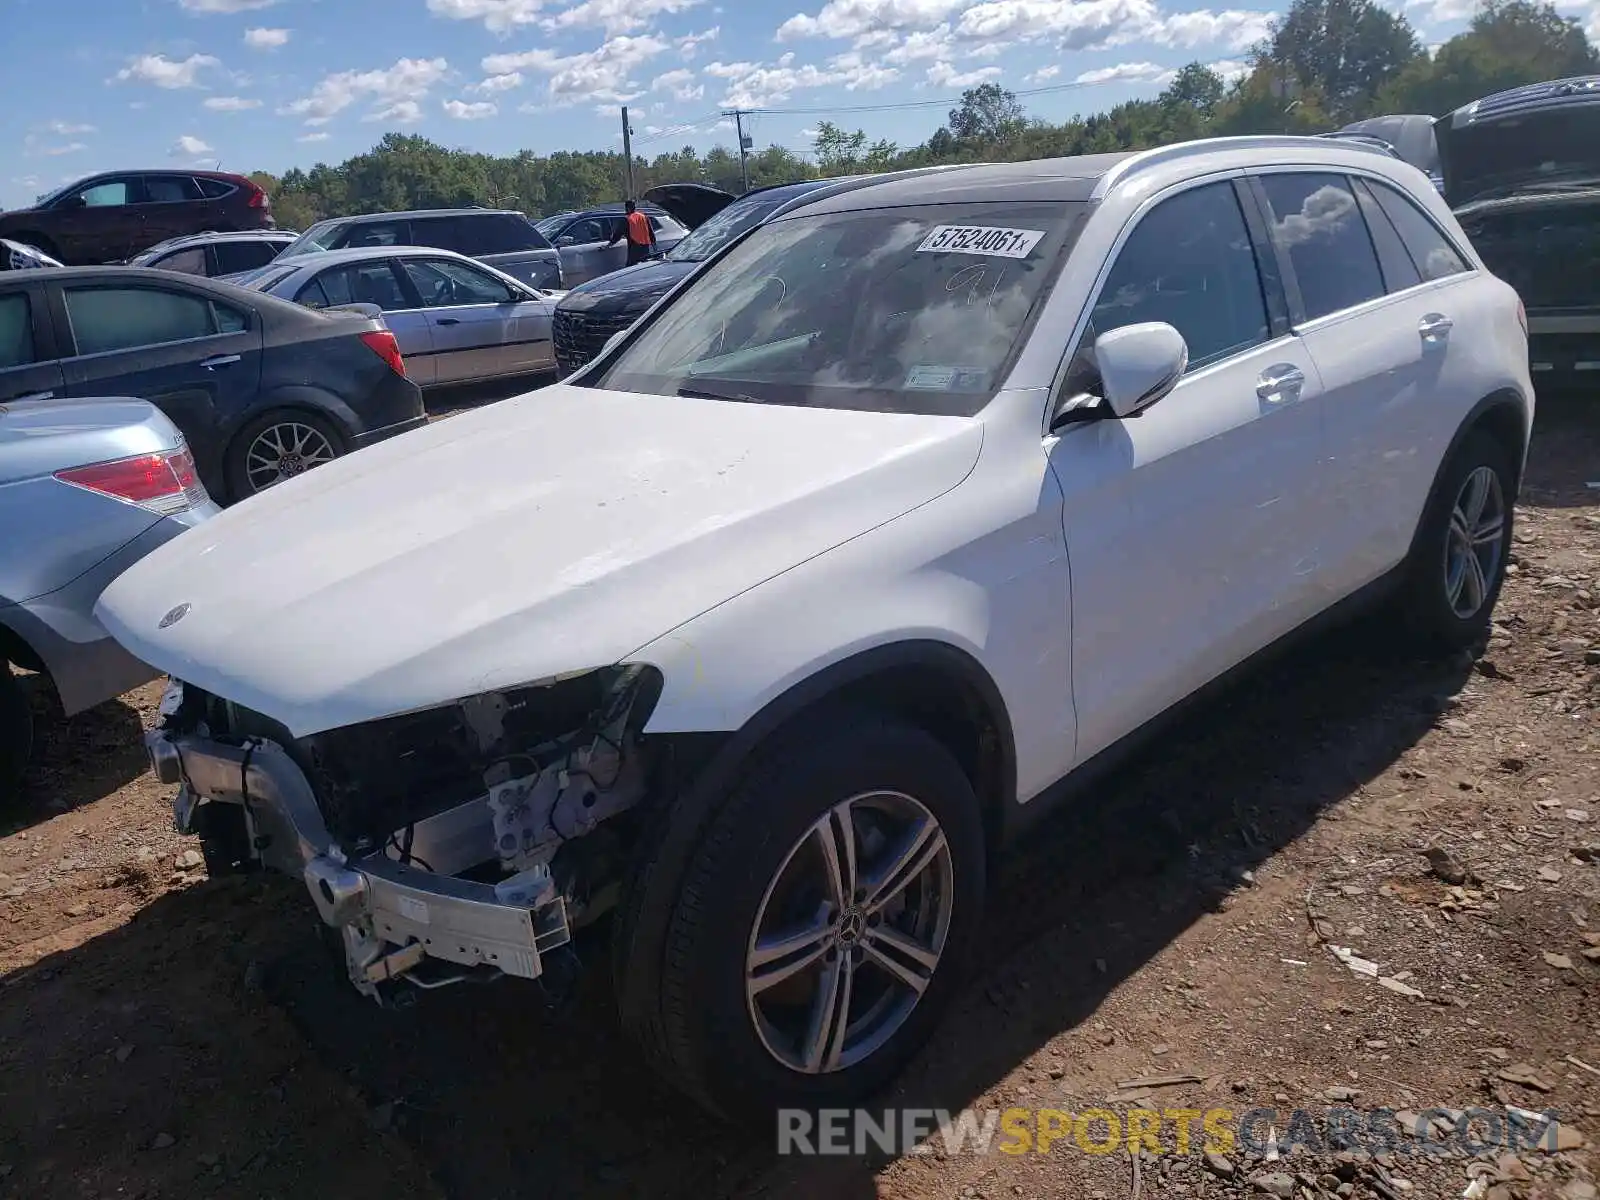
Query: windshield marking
x=988, y=241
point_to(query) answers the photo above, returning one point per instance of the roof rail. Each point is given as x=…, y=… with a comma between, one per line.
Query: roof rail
x=851, y=183
x=1178, y=151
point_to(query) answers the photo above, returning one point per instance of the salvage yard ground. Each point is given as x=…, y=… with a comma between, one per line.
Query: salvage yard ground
x=162, y=1034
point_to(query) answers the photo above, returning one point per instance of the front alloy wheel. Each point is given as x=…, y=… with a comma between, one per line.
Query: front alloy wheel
x=850, y=931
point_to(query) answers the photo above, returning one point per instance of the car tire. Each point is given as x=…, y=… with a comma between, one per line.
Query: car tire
x=16, y=734
x=285, y=428
x=1458, y=561
x=740, y=1047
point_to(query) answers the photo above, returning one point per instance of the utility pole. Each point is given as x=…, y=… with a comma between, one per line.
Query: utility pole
x=744, y=150
x=627, y=151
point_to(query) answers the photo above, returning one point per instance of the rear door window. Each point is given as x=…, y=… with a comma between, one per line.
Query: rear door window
x=1190, y=263
x=191, y=261
x=1431, y=251
x=377, y=233
x=356, y=283
x=126, y=318
x=244, y=256
x=446, y=233
x=500, y=233
x=170, y=189
x=16, y=331
x=1318, y=225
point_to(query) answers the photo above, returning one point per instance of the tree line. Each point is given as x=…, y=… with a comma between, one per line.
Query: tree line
x=1325, y=64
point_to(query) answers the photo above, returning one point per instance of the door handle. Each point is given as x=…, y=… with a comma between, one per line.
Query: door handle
x=31, y=397
x=1435, y=325
x=447, y=321
x=1281, y=385
x=219, y=360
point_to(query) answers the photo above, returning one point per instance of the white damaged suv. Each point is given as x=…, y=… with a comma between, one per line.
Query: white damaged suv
x=895, y=520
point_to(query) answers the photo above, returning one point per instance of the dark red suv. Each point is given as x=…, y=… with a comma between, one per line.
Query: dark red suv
x=110, y=217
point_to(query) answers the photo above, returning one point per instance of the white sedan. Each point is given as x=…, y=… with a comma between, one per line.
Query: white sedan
x=457, y=320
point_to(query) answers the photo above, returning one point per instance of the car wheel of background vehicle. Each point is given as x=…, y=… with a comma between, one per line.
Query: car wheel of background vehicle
x=1459, y=560
x=16, y=734
x=824, y=920
x=278, y=446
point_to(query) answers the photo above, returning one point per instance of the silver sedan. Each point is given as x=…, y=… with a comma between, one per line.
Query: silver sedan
x=457, y=320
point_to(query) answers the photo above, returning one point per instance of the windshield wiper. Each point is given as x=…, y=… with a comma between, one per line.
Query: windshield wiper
x=697, y=394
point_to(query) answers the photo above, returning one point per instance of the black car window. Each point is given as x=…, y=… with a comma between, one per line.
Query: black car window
x=1318, y=224
x=443, y=284
x=214, y=189
x=1399, y=272
x=16, y=332
x=445, y=233
x=1431, y=251
x=498, y=233
x=228, y=320
x=376, y=233
x=170, y=189
x=245, y=256
x=355, y=283
x=1191, y=264
x=109, y=193
x=125, y=318
x=191, y=261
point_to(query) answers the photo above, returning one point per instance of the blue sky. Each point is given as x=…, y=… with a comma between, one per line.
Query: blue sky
x=270, y=84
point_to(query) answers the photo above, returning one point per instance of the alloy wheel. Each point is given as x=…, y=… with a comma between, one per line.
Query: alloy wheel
x=283, y=451
x=1474, y=542
x=849, y=933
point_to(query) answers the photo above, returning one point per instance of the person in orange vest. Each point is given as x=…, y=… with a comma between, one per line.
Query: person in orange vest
x=637, y=230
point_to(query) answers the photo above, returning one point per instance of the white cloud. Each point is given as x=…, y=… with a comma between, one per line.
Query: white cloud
x=943, y=75
x=266, y=39
x=921, y=44
x=321, y=135
x=498, y=83
x=466, y=110
x=498, y=16
x=758, y=85
x=1232, y=28
x=408, y=80
x=1134, y=72
x=68, y=128
x=401, y=112
x=165, y=72
x=689, y=45
x=604, y=74
x=1231, y=68
x=225, y=6
x=65, y=148
x=230, y=103
x=1042, y=75
x=189, y=146
x=852, y=18
x=680, y=83
x=615, y=16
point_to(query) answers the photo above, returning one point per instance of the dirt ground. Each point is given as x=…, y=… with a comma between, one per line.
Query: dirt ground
x=166, y=1035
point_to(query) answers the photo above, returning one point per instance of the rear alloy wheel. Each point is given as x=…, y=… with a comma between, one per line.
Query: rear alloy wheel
x=277, y=447
x=824, y=921
x=16, y=734
x=1459, y=559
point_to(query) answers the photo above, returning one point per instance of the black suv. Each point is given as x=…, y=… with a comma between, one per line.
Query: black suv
x=108, y=218
x=504, y=238
x=1522, y=172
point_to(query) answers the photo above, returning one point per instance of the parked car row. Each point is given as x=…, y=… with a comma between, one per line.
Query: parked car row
x=756, y=633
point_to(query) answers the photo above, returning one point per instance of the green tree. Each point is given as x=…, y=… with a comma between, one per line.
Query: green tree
x=987, y=113
x=838, y=152
x=1342, y=50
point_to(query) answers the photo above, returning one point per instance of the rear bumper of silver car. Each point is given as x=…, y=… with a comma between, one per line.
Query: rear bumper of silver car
x=394, y=917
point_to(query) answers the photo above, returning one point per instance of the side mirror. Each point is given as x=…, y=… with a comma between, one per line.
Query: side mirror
x=73, y=202
x=1139, y=364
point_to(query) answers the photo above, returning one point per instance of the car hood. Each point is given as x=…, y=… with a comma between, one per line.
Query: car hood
x=690, y=204
x=558, y=531
x=1486, y=155
x=637, y=285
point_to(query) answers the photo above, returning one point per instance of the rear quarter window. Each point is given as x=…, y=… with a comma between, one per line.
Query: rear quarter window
x=215, y=189
x=1430, y=250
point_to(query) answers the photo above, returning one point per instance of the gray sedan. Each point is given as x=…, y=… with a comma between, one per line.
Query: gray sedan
x=457, y=320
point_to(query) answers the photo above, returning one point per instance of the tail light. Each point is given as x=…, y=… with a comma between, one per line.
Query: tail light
x=164, y=483
x=382, y=343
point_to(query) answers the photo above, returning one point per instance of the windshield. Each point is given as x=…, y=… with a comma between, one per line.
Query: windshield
x=319, y=237
x=49, y=198
x=551, y=226
x=724, y=227
x=908, y=310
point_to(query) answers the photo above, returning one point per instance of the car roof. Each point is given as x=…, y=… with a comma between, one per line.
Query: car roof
x=1048, y=180
x=323, y=258
x=240, y=235
x=411, y=213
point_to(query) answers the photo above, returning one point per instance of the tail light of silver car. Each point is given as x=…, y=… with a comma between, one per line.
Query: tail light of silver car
x=164, y=483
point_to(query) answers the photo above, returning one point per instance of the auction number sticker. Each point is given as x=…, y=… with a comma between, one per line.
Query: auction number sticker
x=985, y=240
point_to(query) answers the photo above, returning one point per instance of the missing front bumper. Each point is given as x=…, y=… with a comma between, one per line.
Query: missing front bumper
x=393, y=917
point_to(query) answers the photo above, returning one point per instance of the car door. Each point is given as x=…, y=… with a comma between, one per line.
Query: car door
x=482, y=327
x=1189, y=528
x=172, y=205
x=101, y=223
x=195, y=358
x=29, y=368
x=378, y=281
x=583, y=250
x=1380, y=337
